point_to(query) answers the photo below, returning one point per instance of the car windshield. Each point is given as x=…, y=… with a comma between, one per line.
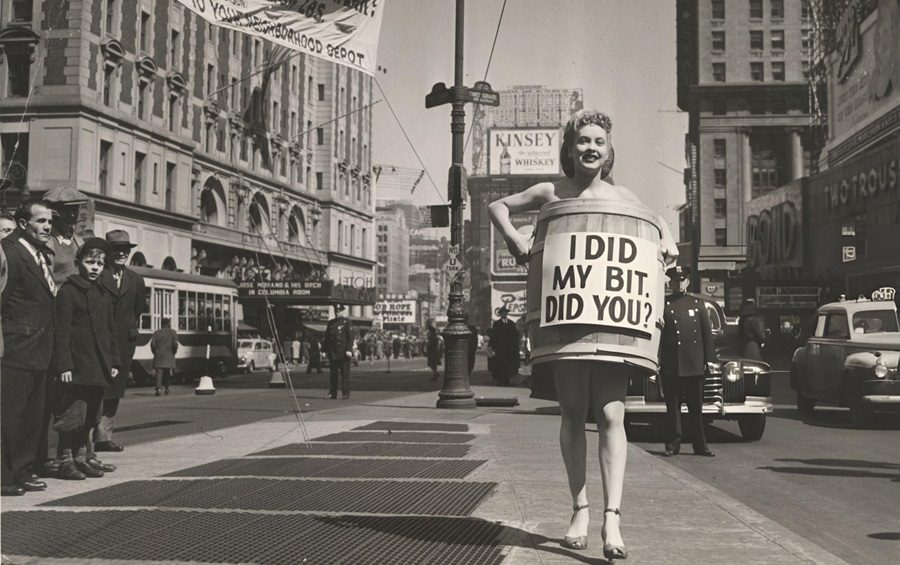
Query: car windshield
x=245, y=344
x=874, y=321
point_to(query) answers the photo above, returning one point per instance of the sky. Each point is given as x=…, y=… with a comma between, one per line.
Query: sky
x=620, y=52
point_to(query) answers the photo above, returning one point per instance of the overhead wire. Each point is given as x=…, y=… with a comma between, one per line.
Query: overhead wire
x=486, y=69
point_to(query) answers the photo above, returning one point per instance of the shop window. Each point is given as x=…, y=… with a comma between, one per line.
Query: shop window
x=756, y=40
x=718, y=9
x=718, y=72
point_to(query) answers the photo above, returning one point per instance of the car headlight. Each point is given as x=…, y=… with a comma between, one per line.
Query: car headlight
x=881, y=370
x=732, y=371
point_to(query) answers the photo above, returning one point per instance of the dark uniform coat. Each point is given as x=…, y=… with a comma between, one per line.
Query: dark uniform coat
x=687, y=342
x=130, y=302
x=83, y=339
x=504, y=341
x=164, y=345
x=751, y=333
x=337, y=339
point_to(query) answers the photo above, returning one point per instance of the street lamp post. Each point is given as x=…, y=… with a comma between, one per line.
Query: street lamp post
x=456, y=392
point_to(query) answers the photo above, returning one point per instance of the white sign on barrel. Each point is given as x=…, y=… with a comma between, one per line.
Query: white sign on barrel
x=602, y=279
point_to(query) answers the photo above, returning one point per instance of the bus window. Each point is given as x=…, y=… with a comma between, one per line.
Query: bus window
x=226, y=313
x=146, y=323
x=219, y=325
x=192, y=311
x=182, y=311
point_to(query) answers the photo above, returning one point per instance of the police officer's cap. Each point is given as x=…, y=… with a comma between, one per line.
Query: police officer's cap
x=339, y=308
x=679, y=272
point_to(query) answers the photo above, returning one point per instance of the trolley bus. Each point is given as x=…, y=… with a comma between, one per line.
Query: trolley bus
x=203, y=312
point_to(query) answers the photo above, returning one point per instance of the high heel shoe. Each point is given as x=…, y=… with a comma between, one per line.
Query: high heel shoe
x=611, y=551
x=577, y=542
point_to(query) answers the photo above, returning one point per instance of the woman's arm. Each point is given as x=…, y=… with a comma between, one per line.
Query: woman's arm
x=529, y=199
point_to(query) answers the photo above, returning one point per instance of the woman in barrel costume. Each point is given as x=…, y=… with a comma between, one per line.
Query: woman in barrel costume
x=586, y=156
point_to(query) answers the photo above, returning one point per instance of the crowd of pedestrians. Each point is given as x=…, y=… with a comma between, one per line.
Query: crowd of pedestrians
x=69, y=314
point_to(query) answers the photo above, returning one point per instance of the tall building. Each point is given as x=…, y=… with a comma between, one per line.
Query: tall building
x=742, y=77
x=178, y=135
x=514, y=146
x=392, y=242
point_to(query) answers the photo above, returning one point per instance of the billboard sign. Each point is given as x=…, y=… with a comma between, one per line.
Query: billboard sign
x=511, y=295
x=402, y=312
x=524, y=151
x=502, y=261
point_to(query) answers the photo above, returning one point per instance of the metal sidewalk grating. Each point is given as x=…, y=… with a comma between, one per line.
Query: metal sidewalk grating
x=400, y=437
x=361, y=496
x=335, y=468
x=380, y=449
x=153, y=535
x=415, y=426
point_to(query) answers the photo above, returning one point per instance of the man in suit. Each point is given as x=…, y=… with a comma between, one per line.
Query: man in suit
x=339, y=349
x=26, y=308
x=504, y=342
x=127, y=288
x=687, y=354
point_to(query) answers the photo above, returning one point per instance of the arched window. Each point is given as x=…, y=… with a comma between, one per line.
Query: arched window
x=297, y=227
x=259, y=216
x=212, y=203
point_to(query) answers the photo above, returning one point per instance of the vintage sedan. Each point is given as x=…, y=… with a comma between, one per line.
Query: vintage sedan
x=850, y=360
x=740, y=389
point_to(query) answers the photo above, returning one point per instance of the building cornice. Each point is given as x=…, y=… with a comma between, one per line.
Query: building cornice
x=155, y=216
x=750, y=88
x=344, y=258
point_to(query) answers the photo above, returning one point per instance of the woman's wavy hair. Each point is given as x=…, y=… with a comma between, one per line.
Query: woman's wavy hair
x=578, y=120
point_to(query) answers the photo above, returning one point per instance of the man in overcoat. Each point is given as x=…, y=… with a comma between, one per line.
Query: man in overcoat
x=26, y=308
x=687, y=354
x=164, y=346
x=127, y=288
x=339, y=349
x=504, y=342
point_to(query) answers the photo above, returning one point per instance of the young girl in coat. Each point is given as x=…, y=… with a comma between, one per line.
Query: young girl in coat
x=86, y=359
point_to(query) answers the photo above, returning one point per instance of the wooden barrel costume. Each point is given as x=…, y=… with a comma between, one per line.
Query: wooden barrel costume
x=593, y=342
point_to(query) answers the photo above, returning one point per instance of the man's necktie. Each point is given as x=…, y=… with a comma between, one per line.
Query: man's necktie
x=44, y=260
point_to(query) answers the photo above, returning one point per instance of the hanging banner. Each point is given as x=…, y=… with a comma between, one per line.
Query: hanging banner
x=603, y=279
x=341, y=31
x=396, y=311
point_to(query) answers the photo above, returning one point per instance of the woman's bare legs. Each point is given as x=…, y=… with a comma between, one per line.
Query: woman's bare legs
x=607, y=395
x=572, y=389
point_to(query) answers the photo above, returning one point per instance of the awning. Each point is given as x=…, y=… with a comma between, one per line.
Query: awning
x=244, y=327
x=315, y=326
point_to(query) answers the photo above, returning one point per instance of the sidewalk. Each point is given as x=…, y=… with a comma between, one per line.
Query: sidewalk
x=434, y=486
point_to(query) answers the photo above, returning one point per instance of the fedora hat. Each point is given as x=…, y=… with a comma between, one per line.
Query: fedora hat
x=503, y=310
x=679, y=272
x=119, y=237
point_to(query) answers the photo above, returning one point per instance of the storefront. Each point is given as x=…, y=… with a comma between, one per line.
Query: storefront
x=854, y=224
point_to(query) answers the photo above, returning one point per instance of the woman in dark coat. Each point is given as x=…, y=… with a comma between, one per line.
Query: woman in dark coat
x=86, y=358
x=751, y=331
x=433, y=350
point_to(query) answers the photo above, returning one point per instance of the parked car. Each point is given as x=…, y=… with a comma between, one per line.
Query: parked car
x=741, y=389
x=851, y=360
x=255, y=354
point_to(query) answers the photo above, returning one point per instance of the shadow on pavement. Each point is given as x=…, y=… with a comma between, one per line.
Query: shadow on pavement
x=658, y=432
x=445, y=529
x=836, y=418
x=890, y=536
x=839, y=468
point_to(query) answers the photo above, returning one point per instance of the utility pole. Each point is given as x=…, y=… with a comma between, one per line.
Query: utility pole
x=457, y=392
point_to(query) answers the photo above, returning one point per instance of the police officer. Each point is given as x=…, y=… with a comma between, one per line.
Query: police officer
x=339, y=349
x=687, y=353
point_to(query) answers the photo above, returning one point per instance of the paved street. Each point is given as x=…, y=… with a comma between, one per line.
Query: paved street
x=834, y=485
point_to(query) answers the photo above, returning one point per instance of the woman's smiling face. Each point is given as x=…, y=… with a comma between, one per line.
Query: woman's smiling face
x=591, y=149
